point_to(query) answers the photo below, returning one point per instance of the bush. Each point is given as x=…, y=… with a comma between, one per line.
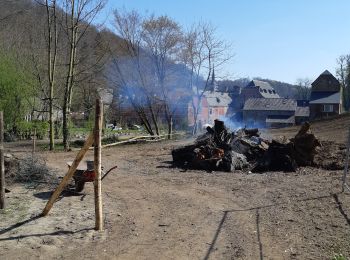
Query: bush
x=26, y=129
x=42, y=128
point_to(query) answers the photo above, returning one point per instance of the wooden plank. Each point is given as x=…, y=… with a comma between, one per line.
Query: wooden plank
x=89, y=141
x=2, y=164
x=154, y=138
x=97, y=166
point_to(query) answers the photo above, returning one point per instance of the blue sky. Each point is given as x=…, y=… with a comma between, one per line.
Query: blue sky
x=277, y=39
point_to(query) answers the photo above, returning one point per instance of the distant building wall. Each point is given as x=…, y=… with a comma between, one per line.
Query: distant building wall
x=257, y=118
x=318, y=111
x=249, y=92
x=216, y=113
x=207, y=114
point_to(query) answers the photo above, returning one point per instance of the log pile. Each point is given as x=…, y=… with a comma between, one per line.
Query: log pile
x=221, y=150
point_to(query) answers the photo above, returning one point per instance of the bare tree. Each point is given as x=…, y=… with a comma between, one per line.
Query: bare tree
x=163, y=37
x=303, y=88
x=52, y=48
x=202, y=50
x=79, y=16
x=343, y=73
x=132, y=57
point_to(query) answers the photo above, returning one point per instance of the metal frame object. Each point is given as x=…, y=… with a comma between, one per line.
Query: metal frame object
x=346, y=167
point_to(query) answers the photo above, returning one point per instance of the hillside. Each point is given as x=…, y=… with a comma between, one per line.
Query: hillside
x=282, y=88
x=333, y=129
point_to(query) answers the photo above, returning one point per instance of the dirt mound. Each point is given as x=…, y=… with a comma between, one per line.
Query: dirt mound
x=330, y=156
x=331, y=129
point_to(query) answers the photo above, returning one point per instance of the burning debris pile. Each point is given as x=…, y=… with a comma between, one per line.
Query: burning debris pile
x=222, y=150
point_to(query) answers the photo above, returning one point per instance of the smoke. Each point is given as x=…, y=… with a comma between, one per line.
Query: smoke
x=231, y=124
x=235, y=125
x=136, y=78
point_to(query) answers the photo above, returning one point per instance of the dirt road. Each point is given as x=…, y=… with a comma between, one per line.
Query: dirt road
x=154, y=211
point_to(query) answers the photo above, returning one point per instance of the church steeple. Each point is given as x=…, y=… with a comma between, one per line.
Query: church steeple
x=213, y=85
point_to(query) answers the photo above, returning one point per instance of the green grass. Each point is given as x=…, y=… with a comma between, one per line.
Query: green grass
x=339, y=257
x=59, y=147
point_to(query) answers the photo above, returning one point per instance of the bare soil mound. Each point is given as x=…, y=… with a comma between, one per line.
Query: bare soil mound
x=333, y=129
x=330, y=156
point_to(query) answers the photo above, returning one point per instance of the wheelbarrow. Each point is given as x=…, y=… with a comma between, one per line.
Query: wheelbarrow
x=85, y=173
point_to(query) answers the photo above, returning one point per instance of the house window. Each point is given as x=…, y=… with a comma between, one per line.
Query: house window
x=327, y=108
x=210, y=111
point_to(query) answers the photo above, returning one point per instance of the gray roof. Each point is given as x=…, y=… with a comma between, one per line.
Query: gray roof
x=325, y=98
x=281, y=104
x=280, y=119
x=217, y=99
x=265, y=89
x=302, y=111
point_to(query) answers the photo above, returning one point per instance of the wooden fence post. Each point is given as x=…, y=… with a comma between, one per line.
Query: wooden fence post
x=34, y=140
x=97, y=165
x=2, y=164
x=69, y=174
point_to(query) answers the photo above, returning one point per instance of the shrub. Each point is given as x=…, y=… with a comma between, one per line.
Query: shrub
x=42, y=128
x=26, y=129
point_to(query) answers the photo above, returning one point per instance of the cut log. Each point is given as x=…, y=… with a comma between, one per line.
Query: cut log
x=252, y=132
x=305, y=144
x=278, y=157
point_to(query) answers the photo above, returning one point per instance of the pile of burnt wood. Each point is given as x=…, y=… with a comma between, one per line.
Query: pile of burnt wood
x=222, y=150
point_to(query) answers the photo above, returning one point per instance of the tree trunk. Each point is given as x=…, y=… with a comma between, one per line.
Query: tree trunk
x=65, y=132
x=69, y=81
x=169, y=118
x=2, y=165
x=170, y=127
x=52, y=57
x=195, y=116
x=153, y=116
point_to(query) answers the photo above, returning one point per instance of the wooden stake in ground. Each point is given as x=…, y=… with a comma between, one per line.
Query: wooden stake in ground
x=2, y=165
x=34, y=140
x=97, y=165
x=69, y=174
